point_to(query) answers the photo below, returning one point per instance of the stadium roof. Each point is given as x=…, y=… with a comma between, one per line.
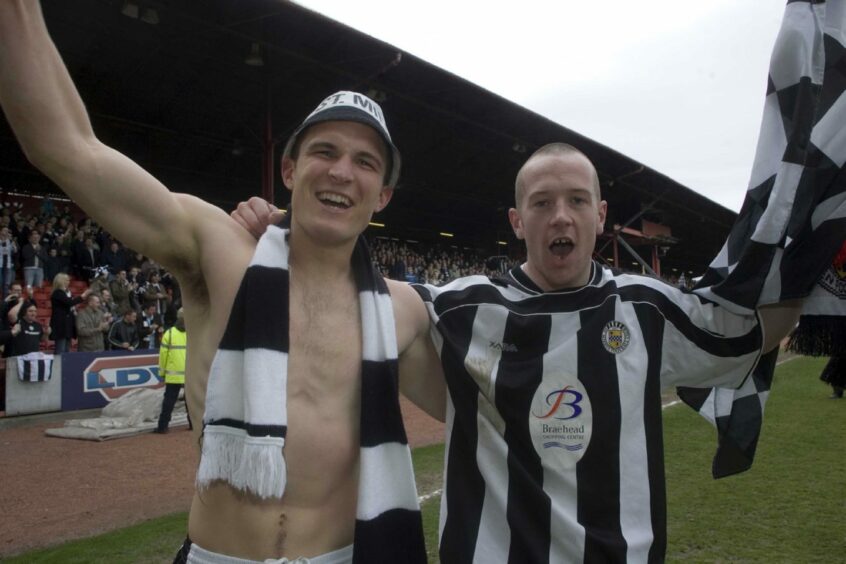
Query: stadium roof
x=166, y=83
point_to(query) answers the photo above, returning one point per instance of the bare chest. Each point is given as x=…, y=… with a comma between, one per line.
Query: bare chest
x=325, y=334
x=323, y=394
x=323, y=390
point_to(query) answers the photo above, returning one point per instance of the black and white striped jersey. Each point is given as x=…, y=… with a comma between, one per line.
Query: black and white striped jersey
x=554, y=441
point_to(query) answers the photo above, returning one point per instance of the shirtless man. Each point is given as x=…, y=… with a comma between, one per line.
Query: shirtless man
x=340, y=173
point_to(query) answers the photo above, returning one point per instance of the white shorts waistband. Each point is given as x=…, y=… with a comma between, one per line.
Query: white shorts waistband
x=199, y=555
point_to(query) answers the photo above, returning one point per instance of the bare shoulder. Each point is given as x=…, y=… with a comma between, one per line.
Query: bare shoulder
x=211, y=222
x=407, y=303
x=225, y=250
x=412, y=320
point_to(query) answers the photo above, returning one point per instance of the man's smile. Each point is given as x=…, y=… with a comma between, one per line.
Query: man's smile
x=334, y=200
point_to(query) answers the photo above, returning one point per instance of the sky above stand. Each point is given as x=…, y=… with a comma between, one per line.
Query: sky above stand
x=678, y=86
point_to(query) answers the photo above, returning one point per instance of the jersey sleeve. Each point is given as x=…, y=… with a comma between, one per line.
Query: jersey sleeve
x=707, y=345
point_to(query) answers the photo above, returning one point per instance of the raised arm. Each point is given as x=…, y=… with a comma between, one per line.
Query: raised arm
x=58, y=296
x=15, y=311
x=54, y=130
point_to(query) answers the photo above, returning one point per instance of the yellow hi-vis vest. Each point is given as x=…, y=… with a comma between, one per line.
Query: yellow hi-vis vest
x=172, y=356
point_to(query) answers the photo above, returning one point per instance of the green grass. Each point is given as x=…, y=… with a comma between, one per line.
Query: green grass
x=151, y=542
x=790, y=508
x=428, y=468
x=428, y=472
x=431, y=509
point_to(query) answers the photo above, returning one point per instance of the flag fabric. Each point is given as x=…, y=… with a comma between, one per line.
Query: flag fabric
x=793, y=218
x=35, y=367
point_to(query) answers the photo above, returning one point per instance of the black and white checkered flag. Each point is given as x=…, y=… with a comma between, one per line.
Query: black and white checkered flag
x=793, y=218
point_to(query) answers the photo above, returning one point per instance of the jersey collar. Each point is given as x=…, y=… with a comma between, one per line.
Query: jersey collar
x=520, y=278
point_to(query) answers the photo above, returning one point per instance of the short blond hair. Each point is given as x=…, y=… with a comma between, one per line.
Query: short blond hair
x=554, y=149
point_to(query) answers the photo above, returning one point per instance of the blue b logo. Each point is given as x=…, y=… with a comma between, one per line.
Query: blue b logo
x=556, y=400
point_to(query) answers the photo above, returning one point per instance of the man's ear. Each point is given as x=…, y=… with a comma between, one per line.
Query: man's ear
x=603, y=210
x=384, y=197
x=516, y=222
x=288, y=166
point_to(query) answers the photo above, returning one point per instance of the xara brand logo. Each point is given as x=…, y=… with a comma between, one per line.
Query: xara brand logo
x=504, y=347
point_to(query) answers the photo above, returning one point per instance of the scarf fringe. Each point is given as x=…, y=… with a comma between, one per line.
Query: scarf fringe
x=819, y=335
x=256, y=466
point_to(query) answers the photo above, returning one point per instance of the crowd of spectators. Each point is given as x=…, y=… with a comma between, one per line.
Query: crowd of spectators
x=36, y=247
x=130, y=300
x=54, y=246
x=430, y=264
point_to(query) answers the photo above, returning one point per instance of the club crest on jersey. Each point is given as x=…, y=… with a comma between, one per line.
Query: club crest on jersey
x=615, y=337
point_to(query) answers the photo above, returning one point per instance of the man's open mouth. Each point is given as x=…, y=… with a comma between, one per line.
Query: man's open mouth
x=561, y=247
x=334, y=200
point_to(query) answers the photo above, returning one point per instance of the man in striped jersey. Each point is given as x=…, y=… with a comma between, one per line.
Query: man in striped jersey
x=554, y=439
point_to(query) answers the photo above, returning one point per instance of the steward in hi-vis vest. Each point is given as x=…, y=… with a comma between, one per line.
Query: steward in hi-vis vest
x=172, y=369
x=172, y=355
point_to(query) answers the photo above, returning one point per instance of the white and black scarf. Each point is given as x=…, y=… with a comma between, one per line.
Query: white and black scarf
x=822, y=325
x=246, y=420
x=35, y=367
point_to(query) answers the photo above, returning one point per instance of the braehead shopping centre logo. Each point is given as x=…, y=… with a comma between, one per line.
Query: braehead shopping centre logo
x=113, y=376
x=560, y=423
